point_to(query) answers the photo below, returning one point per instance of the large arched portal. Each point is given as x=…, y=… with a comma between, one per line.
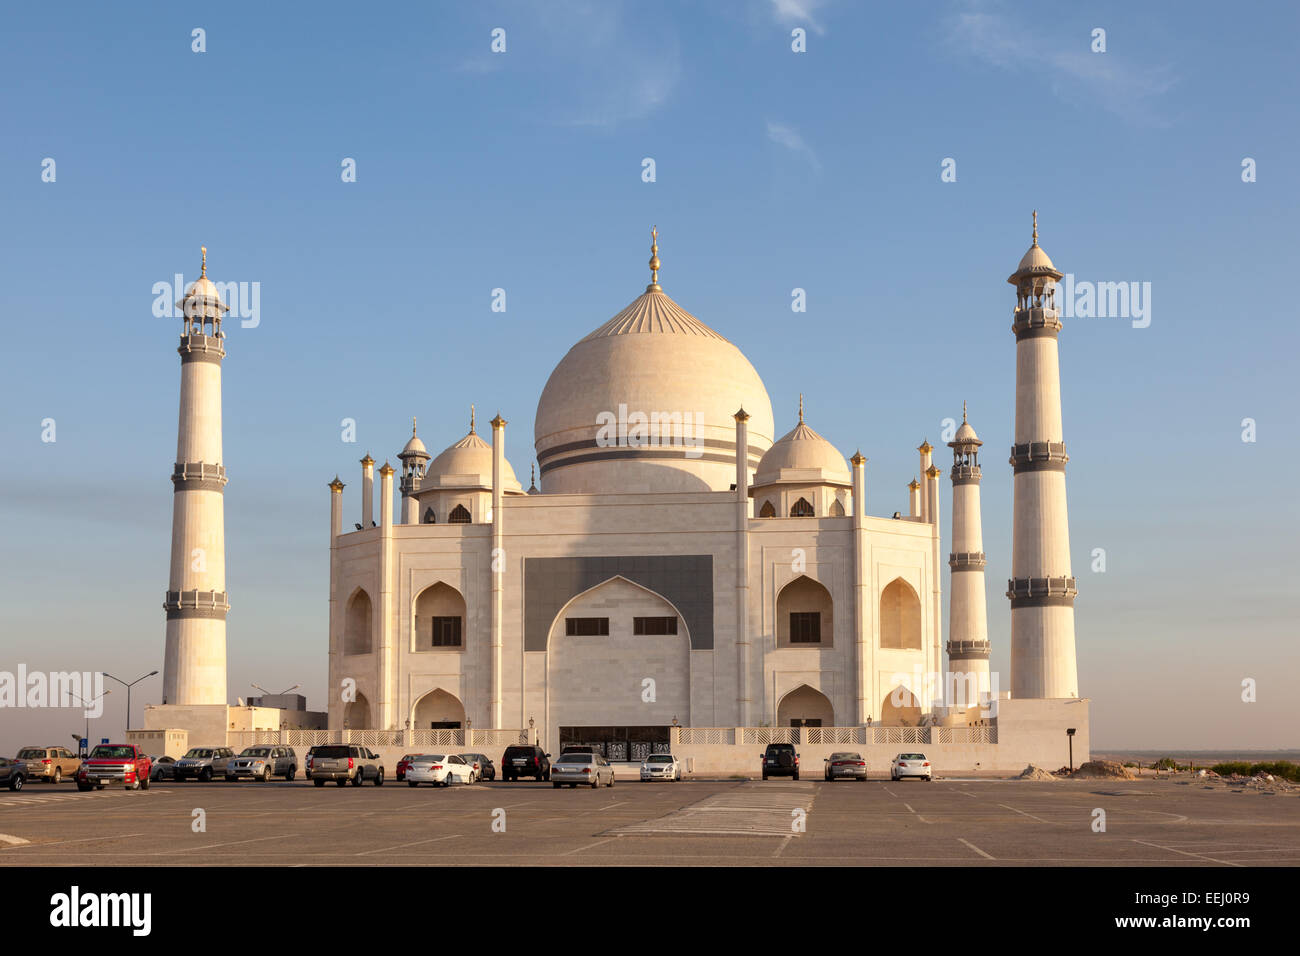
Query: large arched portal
x=805, y=707
x=900, y=708
x=900, y=616
x=804, y=614
x=438, y=710
x=356, y=624
x=356, y=714
x=618, y=671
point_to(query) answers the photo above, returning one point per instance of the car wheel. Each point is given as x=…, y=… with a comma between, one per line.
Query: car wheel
x=58, y=775
x=319, y=783
x=205, y=775
x=359, y=778
x=611, y=780
x=379, y=778
x=16, y=783
x=266, y=775
x=341, y=782
x=293, y=772
x=144, y=784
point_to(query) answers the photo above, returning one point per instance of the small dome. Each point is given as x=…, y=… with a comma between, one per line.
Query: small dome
x=802, y=456
x=967, y=434
x=414, y=448
x=468, y=464
x=1035, y=261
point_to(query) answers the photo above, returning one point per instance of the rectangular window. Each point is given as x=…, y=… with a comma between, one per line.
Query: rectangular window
x=805, y=627
x=446, y=632
x=586, y=626
x=654, y=625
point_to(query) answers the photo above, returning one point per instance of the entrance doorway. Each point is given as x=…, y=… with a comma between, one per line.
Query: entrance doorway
x=618, y=743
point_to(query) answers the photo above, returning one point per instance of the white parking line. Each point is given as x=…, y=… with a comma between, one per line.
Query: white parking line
x=612, y=805
x=588, y=846
x=402, y=846
x=213, y=846
x=975, y=848
x=116, y=836
x=12, y=840
x=784, y=843
x=1199, y=856
x=1030, y=815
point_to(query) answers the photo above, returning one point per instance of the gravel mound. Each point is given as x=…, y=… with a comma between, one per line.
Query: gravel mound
x=1035, y=773
x=1104, y=768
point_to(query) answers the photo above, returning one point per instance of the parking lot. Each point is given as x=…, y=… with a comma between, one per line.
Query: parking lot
x=706, y=822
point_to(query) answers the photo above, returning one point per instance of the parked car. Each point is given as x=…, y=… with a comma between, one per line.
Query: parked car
x=441, y=770
x=115, y=763
x=780, y=760
x=310, y=758
x=661, y=767
x=576, y=749
x=262, y=762
x=522, y=761
x=587, y=769
x=346, y=763
x=203, y=763
x=910, y=765
x=482, y=764
x=13, y=773
x=846, y=764
x=50, y=764
x=402, y=765
x=164, y=768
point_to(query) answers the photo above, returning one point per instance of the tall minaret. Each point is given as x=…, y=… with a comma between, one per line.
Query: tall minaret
x=968, y=626
x=194, y=668
x=1041, y=589
x=414, y=458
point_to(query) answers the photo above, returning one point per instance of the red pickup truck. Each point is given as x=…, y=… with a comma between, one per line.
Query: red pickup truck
x=114, y=763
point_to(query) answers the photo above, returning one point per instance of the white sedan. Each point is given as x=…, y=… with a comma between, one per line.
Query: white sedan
x=911, y=765
x=661, y=767
x=441, y=770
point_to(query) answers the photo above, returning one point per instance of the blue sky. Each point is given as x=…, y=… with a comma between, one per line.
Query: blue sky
x=775, y=170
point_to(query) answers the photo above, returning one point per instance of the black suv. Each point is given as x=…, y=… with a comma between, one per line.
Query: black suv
x=780, y=760
x=521, y=761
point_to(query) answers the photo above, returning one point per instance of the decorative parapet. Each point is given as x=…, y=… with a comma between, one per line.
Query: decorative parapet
x=968, y=650
x=966, y=474
x=967, y=561
x=198, y=476
x=1036, y=322
x=196, y=604
x=1042, y=592
x=202, y=348
x=1038, y=456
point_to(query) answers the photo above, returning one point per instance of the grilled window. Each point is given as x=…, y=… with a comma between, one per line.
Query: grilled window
x=430, y=517
x=654, y=625
x=586, y=626
x=805, y=627
x=446, y=632
x=459, y=515
x=767, y=511
x=802, y=509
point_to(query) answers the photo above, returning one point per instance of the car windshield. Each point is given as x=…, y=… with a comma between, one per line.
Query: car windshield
x=30, y=754
x=256, y=752
x=659, y=758
x=577, y=758
x=111, y=752
x=198, y=753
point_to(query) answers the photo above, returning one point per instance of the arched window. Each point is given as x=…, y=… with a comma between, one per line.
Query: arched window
x=767, y=511
x=802, y=509
x=459, y=515
x=837, y=509
x=356, y=624
x=804, y=612
x=430, y=517
x=900, y=616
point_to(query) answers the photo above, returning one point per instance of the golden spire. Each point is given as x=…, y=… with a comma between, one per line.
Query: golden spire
x=801, y=408
x=1035, y=227
x=654, y=260
x=204, y=271
x=471, y=419
x=963, y=411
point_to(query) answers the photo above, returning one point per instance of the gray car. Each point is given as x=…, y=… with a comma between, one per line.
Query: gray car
x=588, y=769
x=846, y=764
x=346, y=763
x=203, y=763
x=264, y=761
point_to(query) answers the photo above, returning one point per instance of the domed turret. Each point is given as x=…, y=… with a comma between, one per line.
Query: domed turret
x=468, y=464
x=645, y=403
x=801, y=475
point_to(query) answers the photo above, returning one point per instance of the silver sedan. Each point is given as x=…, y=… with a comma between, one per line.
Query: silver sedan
x=588, y=769
x=846, y=764
x=661, y=767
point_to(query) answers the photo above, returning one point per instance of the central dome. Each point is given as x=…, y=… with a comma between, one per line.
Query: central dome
x=647, y=403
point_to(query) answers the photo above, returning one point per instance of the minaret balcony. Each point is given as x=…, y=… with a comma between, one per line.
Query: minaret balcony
x=198, y=476
x=196, y=347
x=968, y=650
x=1038, y=456
x=208, y=604
x=1041, y=592
x=967, y=560
x=966, y=474
x=1031, y=322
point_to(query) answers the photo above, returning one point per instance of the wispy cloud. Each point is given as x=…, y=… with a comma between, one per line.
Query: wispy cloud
x=790, y=138
x=1132, y=92
x=798, y=12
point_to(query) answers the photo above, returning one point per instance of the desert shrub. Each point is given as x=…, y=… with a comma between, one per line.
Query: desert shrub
x=1165, y=763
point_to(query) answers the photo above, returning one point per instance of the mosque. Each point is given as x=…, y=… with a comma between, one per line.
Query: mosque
x=673, y=564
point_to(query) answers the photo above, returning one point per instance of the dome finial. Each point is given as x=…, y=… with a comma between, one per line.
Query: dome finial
x=654, y=260
x=412, y=426
x=801, y=408
x=471, y=418
x=204, y=270
x=963, y=411
x=1035, y=227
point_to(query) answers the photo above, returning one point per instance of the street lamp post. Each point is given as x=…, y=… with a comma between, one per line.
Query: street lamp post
x=1069, y=734
x=128, y=694
x=85, y=707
